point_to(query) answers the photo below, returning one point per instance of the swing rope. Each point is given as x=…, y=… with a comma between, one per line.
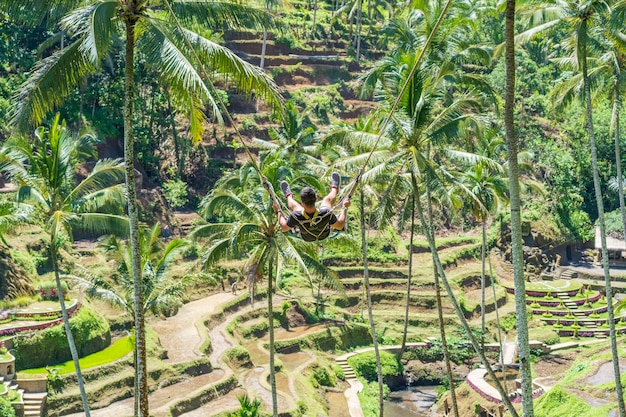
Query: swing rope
x=255, y=165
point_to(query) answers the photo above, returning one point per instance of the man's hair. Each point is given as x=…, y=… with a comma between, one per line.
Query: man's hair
x=307, y=196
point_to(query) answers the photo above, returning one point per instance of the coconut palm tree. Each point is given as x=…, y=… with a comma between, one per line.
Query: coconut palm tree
x=44, y=171
x=430, y=113
x=584, y=22
x=251, y=231
x=160, y=293
x=164, y=31
x=485, y=180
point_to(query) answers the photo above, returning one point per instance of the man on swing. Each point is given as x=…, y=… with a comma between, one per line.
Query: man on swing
x=314, y=224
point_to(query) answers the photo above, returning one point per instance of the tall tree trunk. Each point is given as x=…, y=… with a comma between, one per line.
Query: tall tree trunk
x=141, y=394
x=270, y=312
x=495, y=306
x=516, y=219
x=605, y=254
x=263, y=49
x=179, y=148
x=68, y=330
x=370, y=314
x=358, y=29
x=442, y=326
x=444, y=343
x=314, y=19
x=617, y=106
x=408, y=279
x=482, y=283
x=459, y=311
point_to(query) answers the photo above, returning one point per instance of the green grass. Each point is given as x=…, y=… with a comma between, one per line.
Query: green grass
x=116, y=351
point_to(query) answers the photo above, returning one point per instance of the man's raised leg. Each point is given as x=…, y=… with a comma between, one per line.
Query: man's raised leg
x=329, y=200
x=291, y=202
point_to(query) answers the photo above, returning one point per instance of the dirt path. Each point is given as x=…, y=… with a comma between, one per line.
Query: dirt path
x=179, y=334
x=158, y=400
x=180, y=337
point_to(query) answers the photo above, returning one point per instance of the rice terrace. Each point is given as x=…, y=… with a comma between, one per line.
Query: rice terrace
x=312, y=209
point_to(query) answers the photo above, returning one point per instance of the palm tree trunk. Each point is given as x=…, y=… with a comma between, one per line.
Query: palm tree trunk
x=68, y=330
x=495, y=306
x=482, y=284
x=270, y=312
x=444, y=344
x=358, y=30
x=516, y=219
x=408, y=279
x=370, y=314
x=459, y=312
x=314, y=19
x=442, y=326
x=141, y=394
x=617, y=105
x=263, y=49
x=605, y=254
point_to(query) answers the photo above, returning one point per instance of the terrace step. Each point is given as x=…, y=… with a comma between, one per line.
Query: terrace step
x=568, y=274
x=33, y=403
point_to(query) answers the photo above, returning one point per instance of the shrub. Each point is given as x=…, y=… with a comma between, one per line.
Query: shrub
x=322, y=377
x=248, y=124
x=175, y=193
x=25, y=261
x=91, y=334
x=54, y=381
x=364, y=364
x=6, y=409
x=338, y=372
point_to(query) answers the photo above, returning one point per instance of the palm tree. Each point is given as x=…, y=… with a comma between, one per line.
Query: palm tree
x=44, y=171
x=485, y=180
x=581, y=19
x=251, y=231
x=160, y=293
x=294, y=142
x=175, y=52
x=431, y=111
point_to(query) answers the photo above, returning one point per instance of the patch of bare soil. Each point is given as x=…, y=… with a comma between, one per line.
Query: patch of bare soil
x=224, y=403
x=337, y=404
x=554, y=364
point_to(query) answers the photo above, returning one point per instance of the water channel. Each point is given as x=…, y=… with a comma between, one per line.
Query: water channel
x=414, y=401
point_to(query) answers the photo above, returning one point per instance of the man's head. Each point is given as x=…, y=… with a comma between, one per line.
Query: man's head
x=307, y=196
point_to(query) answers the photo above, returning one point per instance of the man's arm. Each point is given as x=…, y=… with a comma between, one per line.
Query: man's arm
x=282, y=219
x=343, y=216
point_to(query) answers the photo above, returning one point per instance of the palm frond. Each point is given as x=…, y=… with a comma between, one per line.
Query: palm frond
x=105, y=173
x=218, y=15
x=51, y=82
x=94, y=24
x=102, y=223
